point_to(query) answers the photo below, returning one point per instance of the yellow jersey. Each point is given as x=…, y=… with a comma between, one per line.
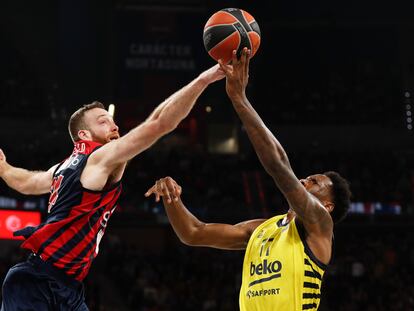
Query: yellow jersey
x=279, y=270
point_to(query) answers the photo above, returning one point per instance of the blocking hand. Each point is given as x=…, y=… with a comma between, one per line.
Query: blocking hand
x=237, y=74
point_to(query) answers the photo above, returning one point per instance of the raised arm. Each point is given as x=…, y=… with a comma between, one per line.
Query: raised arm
x=190, y=230
x=270, y=152
x=24, y=181
x=163, y=120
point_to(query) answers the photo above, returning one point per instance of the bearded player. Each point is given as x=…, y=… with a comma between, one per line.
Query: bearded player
x=84, y=190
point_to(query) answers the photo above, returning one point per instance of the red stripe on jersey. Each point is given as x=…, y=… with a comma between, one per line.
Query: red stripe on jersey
x=81, y=247
x=34, y=242
x=86, y=206
x=84, y=272
x=71, y=257
x=85, y=146
x=77, y=221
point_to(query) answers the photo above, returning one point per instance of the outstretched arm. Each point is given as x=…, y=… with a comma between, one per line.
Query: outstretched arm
x=163, y=120
x=270, y=152
x=190, y=230
x=24, y=181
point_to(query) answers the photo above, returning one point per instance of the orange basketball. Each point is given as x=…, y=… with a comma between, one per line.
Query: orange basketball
x=230, y=29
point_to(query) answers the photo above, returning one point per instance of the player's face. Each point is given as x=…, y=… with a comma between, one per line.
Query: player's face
x=319, y=185
x=101, y=125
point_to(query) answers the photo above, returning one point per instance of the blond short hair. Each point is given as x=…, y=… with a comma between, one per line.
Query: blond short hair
x=77, y=120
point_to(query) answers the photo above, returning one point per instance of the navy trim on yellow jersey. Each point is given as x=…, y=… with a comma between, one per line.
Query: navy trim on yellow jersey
x=308, y=251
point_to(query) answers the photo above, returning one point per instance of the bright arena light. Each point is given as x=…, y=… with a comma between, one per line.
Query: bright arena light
x=111, y=109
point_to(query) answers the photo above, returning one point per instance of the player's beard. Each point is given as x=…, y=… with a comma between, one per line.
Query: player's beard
x=98, y=139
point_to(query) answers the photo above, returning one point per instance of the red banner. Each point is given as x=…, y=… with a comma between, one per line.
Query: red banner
x=11, y=221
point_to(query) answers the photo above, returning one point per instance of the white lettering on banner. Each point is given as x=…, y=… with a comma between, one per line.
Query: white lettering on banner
x=160, y=64
x=29, y=205
x=11, y=203
x=155, y=56
x=155, y=49
x=8, y=202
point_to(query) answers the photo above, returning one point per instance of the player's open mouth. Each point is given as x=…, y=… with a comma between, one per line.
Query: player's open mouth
x=113, y=137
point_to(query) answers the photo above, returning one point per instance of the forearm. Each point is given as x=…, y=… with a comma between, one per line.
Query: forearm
x=17, y=178
x=175, y=108
x=184, y=223
x=270, y=152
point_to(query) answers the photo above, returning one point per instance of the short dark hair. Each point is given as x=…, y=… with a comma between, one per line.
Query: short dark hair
x=341, y=196
x=76, y=121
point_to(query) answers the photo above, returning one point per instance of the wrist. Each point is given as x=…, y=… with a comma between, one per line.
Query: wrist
x=238, y=98
x=203, y=81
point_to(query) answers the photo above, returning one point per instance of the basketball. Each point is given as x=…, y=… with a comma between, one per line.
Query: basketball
x=230, y=29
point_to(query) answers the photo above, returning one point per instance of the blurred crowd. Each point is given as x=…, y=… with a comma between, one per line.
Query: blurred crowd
x=372, y=270
x=373, y=262
x=234, y=187
x=368, y=272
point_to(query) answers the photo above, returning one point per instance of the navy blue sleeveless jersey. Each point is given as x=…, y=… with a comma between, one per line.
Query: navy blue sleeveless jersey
x=69, y=238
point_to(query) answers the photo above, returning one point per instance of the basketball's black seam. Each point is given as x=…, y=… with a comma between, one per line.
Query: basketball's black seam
x=241, y=24
x=236, y=17
x=247, y=35
x=224, y=24
x=211, y=29
x=236, y=31
x=212, y=26
x=245, y=19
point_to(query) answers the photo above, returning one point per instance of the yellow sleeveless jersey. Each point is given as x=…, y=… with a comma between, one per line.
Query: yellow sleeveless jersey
x=279, y=270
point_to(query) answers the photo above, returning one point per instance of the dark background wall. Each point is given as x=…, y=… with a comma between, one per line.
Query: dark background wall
x=333, y=80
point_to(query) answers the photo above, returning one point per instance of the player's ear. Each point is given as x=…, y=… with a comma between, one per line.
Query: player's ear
x=84, y=135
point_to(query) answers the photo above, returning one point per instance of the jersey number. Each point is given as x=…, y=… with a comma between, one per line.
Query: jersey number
x=54, y=192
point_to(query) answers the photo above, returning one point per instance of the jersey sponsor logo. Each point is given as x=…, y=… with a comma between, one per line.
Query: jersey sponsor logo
x=262, y=292
x=265, y=267
x=269, y=269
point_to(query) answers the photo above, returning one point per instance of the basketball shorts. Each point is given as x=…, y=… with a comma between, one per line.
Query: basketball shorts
x=37, y=285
